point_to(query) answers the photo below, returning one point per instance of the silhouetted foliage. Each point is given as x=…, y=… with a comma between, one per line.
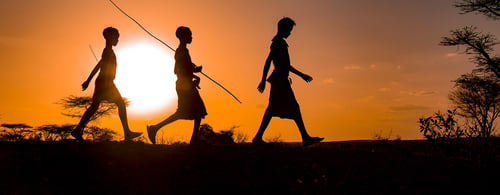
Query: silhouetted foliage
x=53, y=132
x=238, y=136
x=477, y=44
x=75, y=106
x=489, y=8
x=478, y=98
x=17, y=132
x=98, y=134
x=223, y=137
x=441, y=126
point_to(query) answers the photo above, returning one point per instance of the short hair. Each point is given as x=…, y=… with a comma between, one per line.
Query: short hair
x=182, y=31
x=110, y=32
x=285, y=24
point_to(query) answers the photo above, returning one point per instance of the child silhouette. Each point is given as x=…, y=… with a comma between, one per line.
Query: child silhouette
x=282, y=102
x=190, y=105
x=105, y=89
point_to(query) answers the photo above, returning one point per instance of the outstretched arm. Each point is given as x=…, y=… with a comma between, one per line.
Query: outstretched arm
x=92, y=74
x=306, y=77
x=262, y=84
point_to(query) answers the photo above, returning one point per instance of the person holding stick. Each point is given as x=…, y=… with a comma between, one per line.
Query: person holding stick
x=190, y=105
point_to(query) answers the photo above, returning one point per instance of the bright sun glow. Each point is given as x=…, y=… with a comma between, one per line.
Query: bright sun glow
x=145, y=76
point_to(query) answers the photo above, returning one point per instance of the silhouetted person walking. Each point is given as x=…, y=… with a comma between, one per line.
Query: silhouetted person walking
x=105, y=89
x=190, y=105
x=282, y=102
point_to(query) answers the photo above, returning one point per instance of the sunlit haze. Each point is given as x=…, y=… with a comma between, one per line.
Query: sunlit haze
x=144, y=76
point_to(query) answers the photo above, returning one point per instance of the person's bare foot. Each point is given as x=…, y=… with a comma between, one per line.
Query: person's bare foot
x=259, y=142
x=152, y=133
x=312, y=140
x=131, y=135
x=77, y=135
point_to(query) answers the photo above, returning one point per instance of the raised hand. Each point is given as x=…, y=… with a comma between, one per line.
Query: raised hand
x=198, y=68
x=262, y=86
x=85, y=85
x=306, y=78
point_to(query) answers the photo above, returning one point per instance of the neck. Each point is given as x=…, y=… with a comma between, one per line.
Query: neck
x=109, y=45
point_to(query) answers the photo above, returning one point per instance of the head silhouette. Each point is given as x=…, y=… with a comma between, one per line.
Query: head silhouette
x=111, y=35
x=184, y=34
x=285, y=26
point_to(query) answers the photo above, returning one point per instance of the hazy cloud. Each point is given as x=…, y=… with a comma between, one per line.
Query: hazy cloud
x=328, y=80
x=395, y=83
x=407, y=108
x=384, y=89
x=422, y=93
x=358, y=67
x=366, y=99
x=352, y=67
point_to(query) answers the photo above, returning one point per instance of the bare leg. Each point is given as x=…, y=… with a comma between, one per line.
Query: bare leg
x=306, y=138
x=302, y=128
x=167, y=121
x=122, y=112
x=263, y=125
x=195, y=139
x=78, y=131
x=153, y=129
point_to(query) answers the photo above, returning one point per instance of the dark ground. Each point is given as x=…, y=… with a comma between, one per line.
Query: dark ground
x=352, y=167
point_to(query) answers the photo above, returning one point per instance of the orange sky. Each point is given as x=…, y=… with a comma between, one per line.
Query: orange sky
x=377, y=65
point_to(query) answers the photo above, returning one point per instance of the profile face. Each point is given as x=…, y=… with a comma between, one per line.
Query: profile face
x=287, y=32
x=114, y=40
x=189, y=38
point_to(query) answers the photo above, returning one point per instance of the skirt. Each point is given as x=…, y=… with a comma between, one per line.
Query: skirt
x=190, y=105
x=282, y=102
x=106, y=91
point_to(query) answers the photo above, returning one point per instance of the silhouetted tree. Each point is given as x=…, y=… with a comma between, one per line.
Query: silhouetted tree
x=489, y=8
x=75, y=106
x=98, y=134
x=441, y=126
x=17, y=132
x=53, y=132
x=477, y=97
x=477, y=44
x=208, y=135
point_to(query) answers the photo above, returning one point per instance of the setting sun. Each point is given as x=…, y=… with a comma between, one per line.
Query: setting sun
x=145, y=77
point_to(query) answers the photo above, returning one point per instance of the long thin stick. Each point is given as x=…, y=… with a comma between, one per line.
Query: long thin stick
x=95, y=57
x=150, y=34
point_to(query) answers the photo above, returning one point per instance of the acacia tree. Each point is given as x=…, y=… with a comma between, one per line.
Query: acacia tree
x=477, y=97
x=477, y=44
x=17, y=132
x=53, y=132
x=75, y=106
x=489, y=8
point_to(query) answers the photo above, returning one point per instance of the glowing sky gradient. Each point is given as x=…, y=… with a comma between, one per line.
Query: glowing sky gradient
x=377, y=65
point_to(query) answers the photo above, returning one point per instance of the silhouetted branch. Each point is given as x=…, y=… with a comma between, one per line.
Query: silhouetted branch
x=478, y=97
x=75, y=106
x=489, y=8
x=16, y=126
x=478, y=44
